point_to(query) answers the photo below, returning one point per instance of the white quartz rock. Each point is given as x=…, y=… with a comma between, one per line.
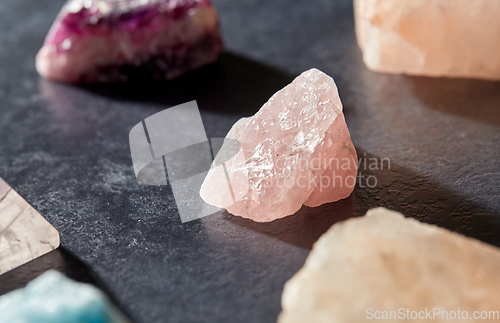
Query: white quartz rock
x=384, y=262
x=24, y=233
x=453, y=38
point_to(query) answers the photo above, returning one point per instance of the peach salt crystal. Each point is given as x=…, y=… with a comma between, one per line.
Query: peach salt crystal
x=371, y=267
x=296, y=150
x=453, y=38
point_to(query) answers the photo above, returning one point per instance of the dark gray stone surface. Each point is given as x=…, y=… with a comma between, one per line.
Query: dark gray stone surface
x=65, y=149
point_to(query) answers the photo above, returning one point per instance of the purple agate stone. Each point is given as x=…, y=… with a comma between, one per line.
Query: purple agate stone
x=116, y=40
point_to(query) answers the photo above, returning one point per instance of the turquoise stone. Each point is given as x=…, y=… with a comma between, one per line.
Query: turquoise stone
x=54, y=298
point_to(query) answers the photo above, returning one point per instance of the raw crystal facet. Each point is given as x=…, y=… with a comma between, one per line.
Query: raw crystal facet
x=383, y=262
x=24, y=233
x=453, y=38
x=53, y=298
x=295, y=150
x=115, y=40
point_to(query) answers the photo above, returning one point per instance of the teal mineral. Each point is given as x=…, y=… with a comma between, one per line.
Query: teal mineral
x=54, y=298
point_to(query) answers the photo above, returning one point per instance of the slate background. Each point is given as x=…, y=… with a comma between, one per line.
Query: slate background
x=65, y=149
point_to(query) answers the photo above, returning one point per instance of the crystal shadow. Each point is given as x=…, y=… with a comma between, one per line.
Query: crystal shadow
x=398, y=189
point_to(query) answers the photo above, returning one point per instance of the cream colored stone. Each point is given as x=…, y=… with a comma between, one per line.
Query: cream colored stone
x=385, y=262
x=24, y=233
x=452, y=38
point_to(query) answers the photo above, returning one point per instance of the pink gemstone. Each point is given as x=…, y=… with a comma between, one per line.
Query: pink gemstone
x=297, y=151
x=115, y=40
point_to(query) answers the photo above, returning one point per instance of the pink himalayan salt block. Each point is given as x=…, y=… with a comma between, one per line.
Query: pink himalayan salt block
x=452, y=38
x=116, y=40
x=296, y=151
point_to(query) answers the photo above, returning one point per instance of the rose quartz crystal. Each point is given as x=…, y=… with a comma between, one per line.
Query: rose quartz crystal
x=453, y=38
x=386, y=262
x=297, y=150
x=115, y=40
